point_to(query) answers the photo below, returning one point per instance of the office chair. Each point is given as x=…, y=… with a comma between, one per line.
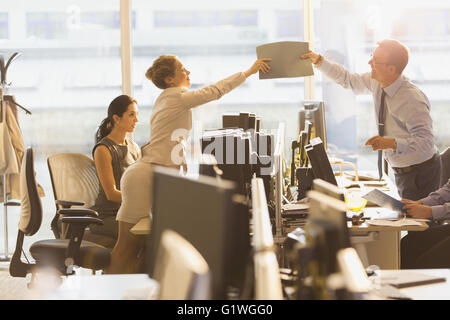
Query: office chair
x=75, y=183
x=445, y=165
x=180, y=269
x=60, y=254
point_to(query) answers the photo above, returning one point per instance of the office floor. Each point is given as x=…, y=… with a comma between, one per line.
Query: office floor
x=11, y=288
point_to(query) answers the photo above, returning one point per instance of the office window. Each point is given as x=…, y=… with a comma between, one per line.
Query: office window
x=107, y=19
x=68, y=73
x=59, y=25
x=4, y=25
x=46, y=25
x=414, y=24
x=172, y=19
x=289, y=23
x=216, y=41
x=347, y=32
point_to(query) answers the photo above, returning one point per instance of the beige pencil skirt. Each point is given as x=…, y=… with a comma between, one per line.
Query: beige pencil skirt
x=136, y=187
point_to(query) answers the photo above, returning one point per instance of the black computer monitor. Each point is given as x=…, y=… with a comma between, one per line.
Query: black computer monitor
x=232, y=150
x=319, y=161
x=204, y=213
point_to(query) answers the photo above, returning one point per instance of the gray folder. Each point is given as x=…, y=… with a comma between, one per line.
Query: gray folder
x=286, y=61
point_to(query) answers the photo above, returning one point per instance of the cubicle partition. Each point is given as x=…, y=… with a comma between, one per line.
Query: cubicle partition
x=267, y=273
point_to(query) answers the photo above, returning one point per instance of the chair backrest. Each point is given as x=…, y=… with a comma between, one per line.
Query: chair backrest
x=182, y=272
x=31, y=206
x=445, y=165
x=73, y=177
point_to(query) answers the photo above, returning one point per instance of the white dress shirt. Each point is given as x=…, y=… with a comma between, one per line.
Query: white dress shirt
x=408, y=118
x=171, y=120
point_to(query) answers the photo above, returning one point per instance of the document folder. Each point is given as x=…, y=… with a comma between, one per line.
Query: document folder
x=384, y=200
x=286, y=61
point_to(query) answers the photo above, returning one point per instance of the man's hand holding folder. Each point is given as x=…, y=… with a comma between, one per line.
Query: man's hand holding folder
x=386, y=201
x=416, y=209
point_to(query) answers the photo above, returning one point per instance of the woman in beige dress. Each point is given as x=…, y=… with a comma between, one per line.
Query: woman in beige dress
x=171, y=123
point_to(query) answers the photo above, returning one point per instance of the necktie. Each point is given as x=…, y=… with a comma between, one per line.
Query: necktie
x=381, y=118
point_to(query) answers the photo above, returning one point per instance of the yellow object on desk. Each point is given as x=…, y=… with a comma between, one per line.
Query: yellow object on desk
x=354, y=200
x=355, y=203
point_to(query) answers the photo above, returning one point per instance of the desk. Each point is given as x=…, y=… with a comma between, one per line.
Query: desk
x=379, y=245
x=140, y=286
x=98, y=287
x=434, y=291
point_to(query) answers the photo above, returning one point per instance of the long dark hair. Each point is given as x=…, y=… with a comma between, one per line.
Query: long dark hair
x=118, y=106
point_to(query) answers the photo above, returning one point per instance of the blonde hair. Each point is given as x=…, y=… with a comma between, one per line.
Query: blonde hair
x=398, y=53
x=161, y=68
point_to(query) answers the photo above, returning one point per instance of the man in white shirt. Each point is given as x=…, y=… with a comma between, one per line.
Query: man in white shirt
x=405, y=129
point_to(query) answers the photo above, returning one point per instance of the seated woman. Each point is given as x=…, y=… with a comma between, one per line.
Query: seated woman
x=171, y=123
x=112, y=154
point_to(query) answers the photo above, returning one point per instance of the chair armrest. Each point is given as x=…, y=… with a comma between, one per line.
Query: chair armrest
x=68, y=203
x=82, y=220
x=77, y=212
x=77, y=224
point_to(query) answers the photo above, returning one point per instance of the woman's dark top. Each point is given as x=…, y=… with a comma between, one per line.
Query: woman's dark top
x=122, y=157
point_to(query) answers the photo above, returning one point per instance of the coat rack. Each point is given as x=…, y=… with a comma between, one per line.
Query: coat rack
x=4, y=98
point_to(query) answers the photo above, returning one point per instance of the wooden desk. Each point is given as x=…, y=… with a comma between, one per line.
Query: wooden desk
x=140, y=286
x=142, y=227
x=434, y=291
x=98, y=287
x=379, y=245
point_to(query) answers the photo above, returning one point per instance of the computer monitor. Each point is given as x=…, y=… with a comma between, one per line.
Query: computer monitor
x=232, y=149
x=266, y=268
x=244, y=120
x=204, y=213
x=328, y=189
x=327, y=230
x=314, y=111
x=319, y=161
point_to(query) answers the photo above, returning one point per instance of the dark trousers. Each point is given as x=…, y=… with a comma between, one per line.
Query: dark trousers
x=426, y=249
x=421, y=181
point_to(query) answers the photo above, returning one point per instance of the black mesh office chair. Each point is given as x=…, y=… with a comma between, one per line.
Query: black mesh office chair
x=60, y=254
x=75, y=184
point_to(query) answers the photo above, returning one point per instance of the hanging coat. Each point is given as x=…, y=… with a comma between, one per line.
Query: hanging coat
x=12, y=150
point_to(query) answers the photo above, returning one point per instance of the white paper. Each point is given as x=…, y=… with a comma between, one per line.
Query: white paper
x=394, y=223
x=286, y=61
